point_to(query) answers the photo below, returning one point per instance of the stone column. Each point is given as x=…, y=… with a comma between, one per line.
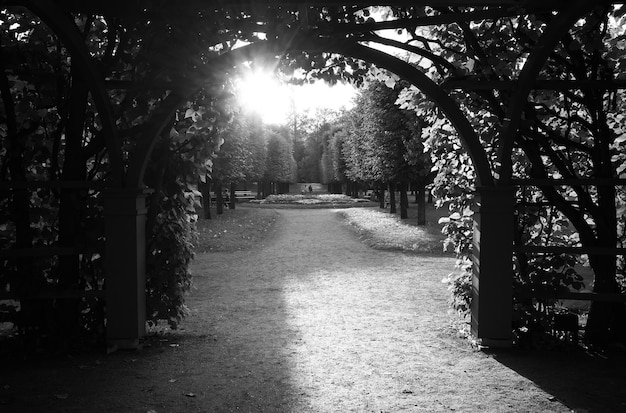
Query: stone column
x=125, y=266
x=492, y=280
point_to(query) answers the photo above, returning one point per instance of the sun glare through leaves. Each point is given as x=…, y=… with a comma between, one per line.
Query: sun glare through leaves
x=275, y=101
x=261, y=92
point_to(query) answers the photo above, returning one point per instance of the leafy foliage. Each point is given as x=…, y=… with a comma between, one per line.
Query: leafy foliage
x=376, y=141
x=177, y=162
x=565, y=134
x=280, y=164
x=50, y=129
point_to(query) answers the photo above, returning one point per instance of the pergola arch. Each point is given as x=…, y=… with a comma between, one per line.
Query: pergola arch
x=562, y=23
x=125, y=206
x=65, y=29
x=345, y=47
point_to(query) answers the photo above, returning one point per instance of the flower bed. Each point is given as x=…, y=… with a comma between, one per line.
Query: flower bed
x=317, y=199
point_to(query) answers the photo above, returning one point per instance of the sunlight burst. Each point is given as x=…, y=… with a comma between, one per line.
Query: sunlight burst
x=263, y=93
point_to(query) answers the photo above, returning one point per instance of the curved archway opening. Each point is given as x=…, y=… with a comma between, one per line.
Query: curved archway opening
x=160, y=119
x=262, y=50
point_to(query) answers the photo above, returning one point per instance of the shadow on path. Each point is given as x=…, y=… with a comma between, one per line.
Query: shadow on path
x=315, y=321
x=579, y=380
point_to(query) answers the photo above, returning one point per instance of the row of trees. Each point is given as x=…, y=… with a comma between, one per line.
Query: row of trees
x=376, y=144
x=252, y=152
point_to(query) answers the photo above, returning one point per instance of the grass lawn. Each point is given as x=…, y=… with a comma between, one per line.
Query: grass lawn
x=382, y=230
x=249, y=223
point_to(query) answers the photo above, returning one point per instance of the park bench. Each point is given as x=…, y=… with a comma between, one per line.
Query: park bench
x=567, y=323
x=244, y=194
x=239, y=195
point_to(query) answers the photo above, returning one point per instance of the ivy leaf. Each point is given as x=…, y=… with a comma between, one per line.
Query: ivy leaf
x=189, y=113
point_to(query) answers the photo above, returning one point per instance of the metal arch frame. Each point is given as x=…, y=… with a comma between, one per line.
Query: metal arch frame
x=533, y=65
x=67, y=32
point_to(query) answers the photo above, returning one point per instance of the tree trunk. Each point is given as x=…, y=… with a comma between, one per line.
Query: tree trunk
x=206, y=199
x=404, y=201
x=233, y=199
x=381, y=196
x=606, y=319
x=351, y=189
x=420, y=198
x=392, y=197
x=267, y=189
x=280, y=188
x=219, y=199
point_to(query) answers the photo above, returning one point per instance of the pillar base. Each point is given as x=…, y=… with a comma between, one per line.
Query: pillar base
x=496, y=344
x=114, y=345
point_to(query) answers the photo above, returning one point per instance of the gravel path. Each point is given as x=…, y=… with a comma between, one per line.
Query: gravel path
x=312, y=320
x=315, y=321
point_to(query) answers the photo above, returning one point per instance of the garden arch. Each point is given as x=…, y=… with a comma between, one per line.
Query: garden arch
x=125, y=199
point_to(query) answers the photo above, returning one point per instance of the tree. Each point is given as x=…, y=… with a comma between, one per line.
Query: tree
x=567, y=134
x=280, y=167
x=332, y=164
x=383, y=142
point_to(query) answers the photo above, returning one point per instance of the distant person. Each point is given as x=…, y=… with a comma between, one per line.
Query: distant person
x=310, y=189
x=303, y=189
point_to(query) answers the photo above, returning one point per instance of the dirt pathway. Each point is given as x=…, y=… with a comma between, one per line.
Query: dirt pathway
x=315, y=321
